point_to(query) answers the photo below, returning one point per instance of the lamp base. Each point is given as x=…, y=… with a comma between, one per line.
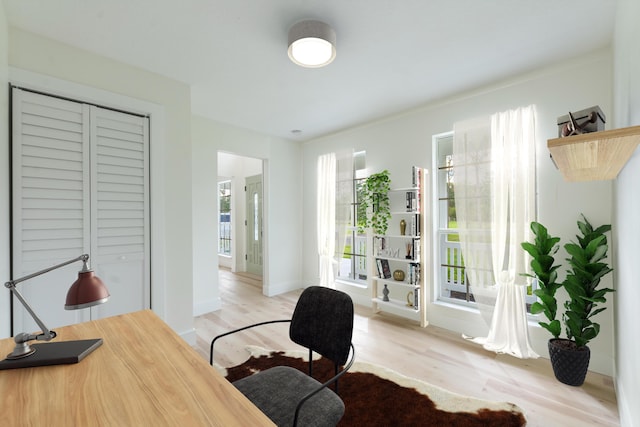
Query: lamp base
x=54, y=353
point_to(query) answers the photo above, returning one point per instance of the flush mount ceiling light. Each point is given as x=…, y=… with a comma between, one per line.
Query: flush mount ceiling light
x=312, y=44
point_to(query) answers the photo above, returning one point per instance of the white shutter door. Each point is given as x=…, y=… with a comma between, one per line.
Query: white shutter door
x=120, y=209
x=50, y=164
x=80, y=184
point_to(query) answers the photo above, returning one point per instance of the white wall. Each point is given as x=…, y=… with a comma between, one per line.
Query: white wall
x=282, y=217
x=4, y=180
x=170, y=153
x=397, y=143
x=626, y=207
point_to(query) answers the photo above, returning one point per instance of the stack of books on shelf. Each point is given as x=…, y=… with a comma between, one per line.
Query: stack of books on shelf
x=413, y=274
x=416, y=182
x=413, y=249
x=414, y=225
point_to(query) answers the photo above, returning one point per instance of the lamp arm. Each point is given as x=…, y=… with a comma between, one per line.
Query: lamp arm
x=47, y=334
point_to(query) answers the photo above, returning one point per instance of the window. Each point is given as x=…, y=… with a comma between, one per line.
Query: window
x=224, y=232
x=451, y=280
x=353, y=263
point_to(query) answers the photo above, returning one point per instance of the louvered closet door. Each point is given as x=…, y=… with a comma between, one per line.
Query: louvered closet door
x=119, y=209
x=70, y=196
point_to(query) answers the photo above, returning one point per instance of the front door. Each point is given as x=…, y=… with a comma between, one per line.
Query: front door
x=253, y=193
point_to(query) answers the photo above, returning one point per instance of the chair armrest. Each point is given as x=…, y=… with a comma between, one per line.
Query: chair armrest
x=344, y=370
x=239, y=330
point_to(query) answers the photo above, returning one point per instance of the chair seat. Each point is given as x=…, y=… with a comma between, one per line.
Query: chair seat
x=277, y=391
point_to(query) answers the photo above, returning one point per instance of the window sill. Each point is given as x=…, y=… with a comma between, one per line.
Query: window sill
x=532, y=319
x=352, y=284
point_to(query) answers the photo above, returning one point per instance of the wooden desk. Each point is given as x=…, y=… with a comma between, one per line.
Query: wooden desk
x=144, y=374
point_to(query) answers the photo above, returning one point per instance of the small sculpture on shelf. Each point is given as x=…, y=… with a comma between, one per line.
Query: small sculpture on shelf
x=410, y=299
x=385, y=293
x=403, y=227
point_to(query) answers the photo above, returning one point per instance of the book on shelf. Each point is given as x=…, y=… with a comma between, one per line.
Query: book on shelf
x=413, y=273
x=411, y=203
x=384, y=271
x=413, y=249
x=380, y=244
x=414, y=225
x=416, y=175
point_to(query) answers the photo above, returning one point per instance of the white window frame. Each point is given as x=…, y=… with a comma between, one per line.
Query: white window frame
x=440, y=233
x=229, y=235
x=359, y=174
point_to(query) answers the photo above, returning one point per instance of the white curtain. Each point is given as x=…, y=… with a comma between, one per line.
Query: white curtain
x=326, y=217
x=494, y=170
x=344, y=200
x=335, y=182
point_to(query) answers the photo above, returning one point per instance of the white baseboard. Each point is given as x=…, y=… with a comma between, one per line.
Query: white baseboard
x=204, y=307
x=189, y=336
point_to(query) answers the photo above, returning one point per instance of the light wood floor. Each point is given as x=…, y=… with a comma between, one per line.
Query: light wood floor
x=431, y=354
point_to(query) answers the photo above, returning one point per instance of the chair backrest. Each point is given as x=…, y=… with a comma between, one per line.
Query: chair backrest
x=323, y=322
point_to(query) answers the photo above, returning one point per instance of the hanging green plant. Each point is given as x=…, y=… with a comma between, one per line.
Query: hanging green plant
x=375, y=202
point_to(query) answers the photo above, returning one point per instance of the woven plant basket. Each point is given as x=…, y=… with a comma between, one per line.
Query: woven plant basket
x=569, y=362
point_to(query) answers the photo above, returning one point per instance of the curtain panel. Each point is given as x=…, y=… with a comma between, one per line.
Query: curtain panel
x=494, y=170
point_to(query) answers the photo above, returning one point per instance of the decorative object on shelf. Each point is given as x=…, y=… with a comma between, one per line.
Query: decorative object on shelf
x=570, y=356
x=584, y=121
x=385, y=293
x=410, y=299
x=409, y=246
x=398, y=275
x=88, y=290
x=403, y=227
x=375, y=202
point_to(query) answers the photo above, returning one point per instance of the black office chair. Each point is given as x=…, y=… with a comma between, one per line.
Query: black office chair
x=322, y=322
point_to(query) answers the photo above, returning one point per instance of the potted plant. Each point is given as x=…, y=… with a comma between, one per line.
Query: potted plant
x=570, y=356
x=542, y=251
x=375, y=202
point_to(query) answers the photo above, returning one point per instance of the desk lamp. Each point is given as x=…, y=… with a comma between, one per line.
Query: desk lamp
x=85, y=292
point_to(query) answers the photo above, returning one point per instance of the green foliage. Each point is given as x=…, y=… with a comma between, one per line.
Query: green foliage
x=375, y=202
x=542, y=253
x=581, y=283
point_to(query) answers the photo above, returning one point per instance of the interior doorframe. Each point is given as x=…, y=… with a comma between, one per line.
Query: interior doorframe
x=265, y=218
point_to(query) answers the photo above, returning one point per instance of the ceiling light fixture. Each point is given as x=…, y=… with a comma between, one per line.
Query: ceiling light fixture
x=312, y=44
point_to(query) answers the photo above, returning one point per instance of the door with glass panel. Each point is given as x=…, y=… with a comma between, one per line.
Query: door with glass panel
x=254, y=224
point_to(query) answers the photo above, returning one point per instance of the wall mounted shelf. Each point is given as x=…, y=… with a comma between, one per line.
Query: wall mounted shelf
x=594, y=156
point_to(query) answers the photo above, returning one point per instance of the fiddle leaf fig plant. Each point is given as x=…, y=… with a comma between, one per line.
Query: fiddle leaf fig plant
x=375, y=202
x=542, y=252
x=586, y=268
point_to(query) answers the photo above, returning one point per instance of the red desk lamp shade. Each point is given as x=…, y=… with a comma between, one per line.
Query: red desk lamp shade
x=87, y=291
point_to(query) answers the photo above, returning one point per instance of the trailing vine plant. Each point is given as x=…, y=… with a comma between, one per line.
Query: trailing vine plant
x=375, y=202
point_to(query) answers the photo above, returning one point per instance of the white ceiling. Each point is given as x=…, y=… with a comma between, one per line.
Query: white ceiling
x=393, y=55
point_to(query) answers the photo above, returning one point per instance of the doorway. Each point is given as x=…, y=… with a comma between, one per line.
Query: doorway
x=245, y=175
